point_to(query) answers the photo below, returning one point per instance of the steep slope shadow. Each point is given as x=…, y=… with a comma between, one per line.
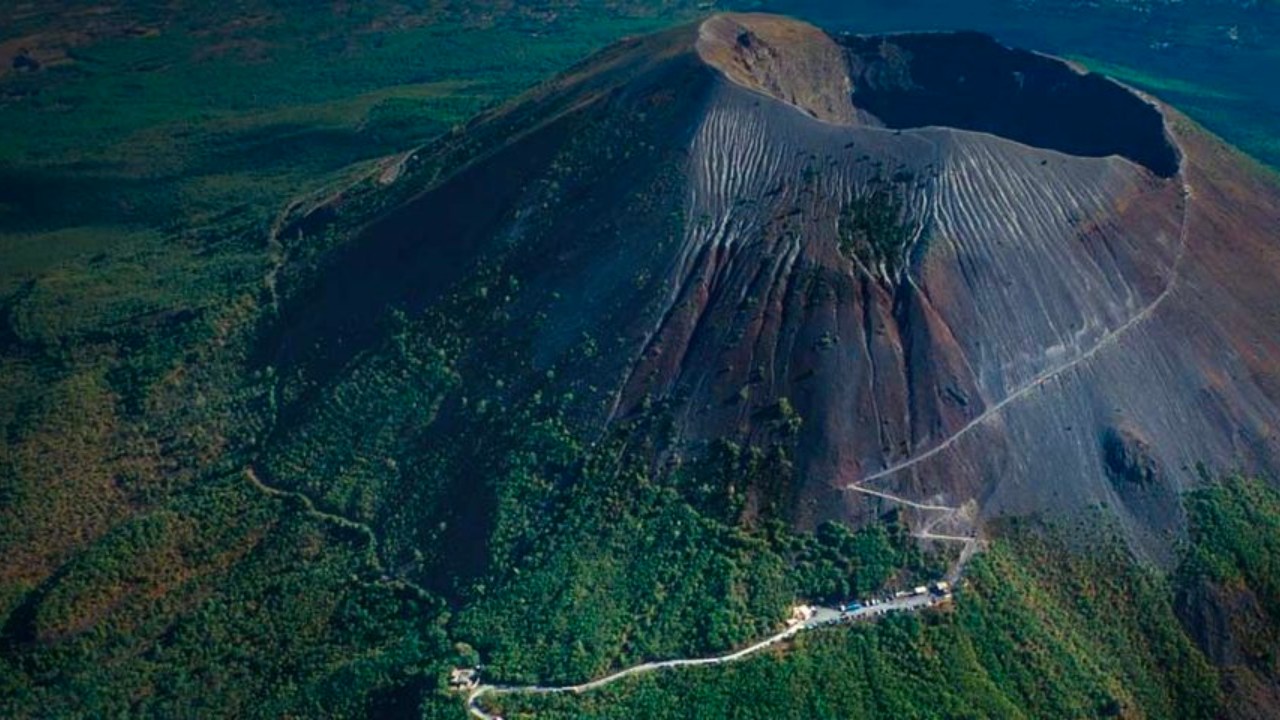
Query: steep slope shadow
x=494, y=185
x=969, y=81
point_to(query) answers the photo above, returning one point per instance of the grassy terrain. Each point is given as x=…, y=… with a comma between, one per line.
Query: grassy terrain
x=211, y=116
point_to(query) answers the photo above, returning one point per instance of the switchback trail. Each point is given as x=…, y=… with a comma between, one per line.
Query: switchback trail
x=823, y=616
x=971, y=542
x=309, y=507
x=1106, y=340
x=903, y=501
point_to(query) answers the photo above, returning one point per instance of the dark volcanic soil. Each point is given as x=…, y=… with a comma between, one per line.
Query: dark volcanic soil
x=1069, y=301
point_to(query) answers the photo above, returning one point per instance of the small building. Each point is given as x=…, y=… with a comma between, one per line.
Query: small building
x=799, y=614
x=463, y=678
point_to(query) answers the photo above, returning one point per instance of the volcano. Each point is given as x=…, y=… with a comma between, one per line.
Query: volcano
x=983, y=277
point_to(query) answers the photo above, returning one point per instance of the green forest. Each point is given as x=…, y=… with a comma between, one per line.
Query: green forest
x=191, y=528
x=1039, y=629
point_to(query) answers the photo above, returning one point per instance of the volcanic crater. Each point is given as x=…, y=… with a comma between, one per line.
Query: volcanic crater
x=974, y=272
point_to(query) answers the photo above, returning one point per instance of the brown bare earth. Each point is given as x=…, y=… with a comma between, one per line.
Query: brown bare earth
x=780, y=58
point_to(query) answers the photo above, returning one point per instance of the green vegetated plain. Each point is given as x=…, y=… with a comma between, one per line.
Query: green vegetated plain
x=144, y=168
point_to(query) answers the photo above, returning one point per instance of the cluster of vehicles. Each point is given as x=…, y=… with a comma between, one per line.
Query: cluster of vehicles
x=939, y=590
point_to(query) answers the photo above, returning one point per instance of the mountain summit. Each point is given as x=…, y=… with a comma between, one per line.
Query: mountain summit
x=979, y=277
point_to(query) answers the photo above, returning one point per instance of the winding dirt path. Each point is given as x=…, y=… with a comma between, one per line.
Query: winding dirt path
x=900, y=500
x=1110, y=338
x=971, y=543
x=823, y=617
x=648, y=667
x=277, y=256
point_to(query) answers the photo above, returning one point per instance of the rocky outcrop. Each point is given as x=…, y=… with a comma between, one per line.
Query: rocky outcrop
x=1128, y=458
x=789, y=60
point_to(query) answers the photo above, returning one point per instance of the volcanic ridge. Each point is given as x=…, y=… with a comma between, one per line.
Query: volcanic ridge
x=982, y=277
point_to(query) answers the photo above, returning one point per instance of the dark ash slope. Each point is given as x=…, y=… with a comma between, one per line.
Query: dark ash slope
x=977, y=274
